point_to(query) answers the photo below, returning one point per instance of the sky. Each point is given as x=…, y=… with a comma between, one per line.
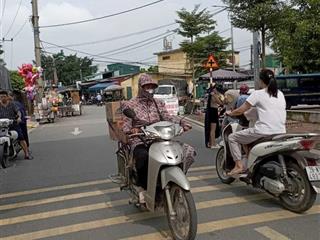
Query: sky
x=21, y=49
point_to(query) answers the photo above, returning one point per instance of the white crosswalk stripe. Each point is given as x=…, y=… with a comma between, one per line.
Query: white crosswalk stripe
x=35, y=211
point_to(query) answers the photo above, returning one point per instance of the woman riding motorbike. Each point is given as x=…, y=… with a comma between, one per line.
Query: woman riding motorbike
x=271, y=108
x=148, y=111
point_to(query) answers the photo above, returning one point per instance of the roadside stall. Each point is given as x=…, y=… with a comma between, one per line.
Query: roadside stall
x=113, y=93
x=48, y=108
x=72, y=104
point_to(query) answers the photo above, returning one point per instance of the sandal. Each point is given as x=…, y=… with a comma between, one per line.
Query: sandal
x=236, y=171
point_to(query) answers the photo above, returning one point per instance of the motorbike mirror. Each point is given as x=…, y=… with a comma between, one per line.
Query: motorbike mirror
x=128, y=112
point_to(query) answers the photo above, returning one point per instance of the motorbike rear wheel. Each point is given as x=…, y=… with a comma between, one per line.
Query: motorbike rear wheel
x=302, y=196
x=4, y=158
x=184, y=225
x=221, y=168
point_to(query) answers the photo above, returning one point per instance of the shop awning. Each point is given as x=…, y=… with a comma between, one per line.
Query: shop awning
x=224, y=75
x=100, y=86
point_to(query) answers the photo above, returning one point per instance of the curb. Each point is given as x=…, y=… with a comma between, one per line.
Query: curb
x=194, y=122
x=32, y=125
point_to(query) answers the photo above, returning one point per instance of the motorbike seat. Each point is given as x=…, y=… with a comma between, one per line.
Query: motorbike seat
x=261, y=140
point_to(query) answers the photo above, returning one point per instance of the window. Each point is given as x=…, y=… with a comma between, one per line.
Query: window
x=309, y=82
x=281, y=83
x=165, y=57
x=292, y=82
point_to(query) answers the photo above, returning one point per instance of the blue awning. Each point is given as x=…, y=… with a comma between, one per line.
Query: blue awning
x=100, y=86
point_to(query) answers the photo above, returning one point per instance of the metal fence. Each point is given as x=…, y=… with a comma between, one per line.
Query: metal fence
x=5, y=82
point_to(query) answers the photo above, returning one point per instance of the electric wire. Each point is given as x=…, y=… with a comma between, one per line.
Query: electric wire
x=98, y=18
x=136, y=45
x=21, y=28
x=116, y=38
x=14, y=19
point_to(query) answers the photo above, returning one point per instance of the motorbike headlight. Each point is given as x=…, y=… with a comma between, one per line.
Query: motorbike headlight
x=166, y=132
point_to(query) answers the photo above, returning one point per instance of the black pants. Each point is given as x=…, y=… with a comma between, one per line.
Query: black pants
x=141, y=156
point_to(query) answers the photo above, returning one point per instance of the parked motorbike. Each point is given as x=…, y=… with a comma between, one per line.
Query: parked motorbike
x=282, y=165
x=9, y=144
x=168, y=188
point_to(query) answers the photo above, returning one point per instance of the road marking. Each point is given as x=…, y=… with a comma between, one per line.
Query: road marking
x=270, y=233
x=204, y=168
x=78, y=195
x=55, y=188
x=74, y=185
x=233, y=222
x=123, y=202
x=76, y=131
x=126, y=219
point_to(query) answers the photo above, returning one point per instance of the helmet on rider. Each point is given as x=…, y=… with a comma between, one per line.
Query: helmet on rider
x=244, y=89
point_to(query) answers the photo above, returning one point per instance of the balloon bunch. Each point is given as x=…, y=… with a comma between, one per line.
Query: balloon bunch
x=30, y=74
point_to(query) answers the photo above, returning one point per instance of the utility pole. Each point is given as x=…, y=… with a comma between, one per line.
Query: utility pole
x=232, y=49
x=251, y=57
x=36, y=33
x=256, y=60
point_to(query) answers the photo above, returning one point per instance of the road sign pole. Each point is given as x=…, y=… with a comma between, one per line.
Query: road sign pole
x=211, y=76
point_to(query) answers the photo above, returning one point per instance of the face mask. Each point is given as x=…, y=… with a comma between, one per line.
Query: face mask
x=151, y=91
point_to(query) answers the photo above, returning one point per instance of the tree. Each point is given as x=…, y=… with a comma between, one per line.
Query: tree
x=153, y=69
x=203, y=46
x=256, y=15
x=68, y=68
x=192, y=25
x=17, y=82
x=297, y=44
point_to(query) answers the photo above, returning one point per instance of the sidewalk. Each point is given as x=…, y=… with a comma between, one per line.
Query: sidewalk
x=292, y=126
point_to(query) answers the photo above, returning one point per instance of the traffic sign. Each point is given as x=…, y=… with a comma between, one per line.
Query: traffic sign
x=212, y=62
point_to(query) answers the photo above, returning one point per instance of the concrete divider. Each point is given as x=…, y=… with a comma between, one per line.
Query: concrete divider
x=309, y=116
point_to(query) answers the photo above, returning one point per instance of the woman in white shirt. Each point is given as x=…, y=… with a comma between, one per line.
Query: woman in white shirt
x=271, y=108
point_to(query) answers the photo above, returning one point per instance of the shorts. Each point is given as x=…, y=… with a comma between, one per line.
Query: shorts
x=19, y=131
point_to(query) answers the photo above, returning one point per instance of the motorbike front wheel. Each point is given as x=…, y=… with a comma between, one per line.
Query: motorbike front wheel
x=221, y=167
x=183, y=225
x=4, y=159
x=302, y=196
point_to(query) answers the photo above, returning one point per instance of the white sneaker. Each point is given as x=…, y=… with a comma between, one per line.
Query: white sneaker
x=141, y=197
x=215, y=146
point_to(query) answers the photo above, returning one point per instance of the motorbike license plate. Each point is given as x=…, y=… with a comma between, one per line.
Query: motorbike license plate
x=313, y=173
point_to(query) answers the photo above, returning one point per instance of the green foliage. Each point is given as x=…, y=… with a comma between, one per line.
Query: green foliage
x=69, y=68
x=202, y=47
x=153, y=69
x=192, y=26
x=194, y=23
x=256, y=15
x=17, y=82
x=298, y=43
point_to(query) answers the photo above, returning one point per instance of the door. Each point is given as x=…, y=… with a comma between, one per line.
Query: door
x=129, y=93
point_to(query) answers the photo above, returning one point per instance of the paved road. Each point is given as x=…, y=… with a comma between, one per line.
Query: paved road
x=64, y=193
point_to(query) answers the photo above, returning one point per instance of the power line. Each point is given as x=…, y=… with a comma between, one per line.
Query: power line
x=98, y=18
x=14, y=19
x=166, y=34
x=100, y=55
x=223, y=31
x=21, y=28
x=145, y=44
x=112, y=60
x=118, y=37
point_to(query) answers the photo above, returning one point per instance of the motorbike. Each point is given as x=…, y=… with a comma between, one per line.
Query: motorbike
x=168, y=188
x=282, y=165
x=9, y=144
